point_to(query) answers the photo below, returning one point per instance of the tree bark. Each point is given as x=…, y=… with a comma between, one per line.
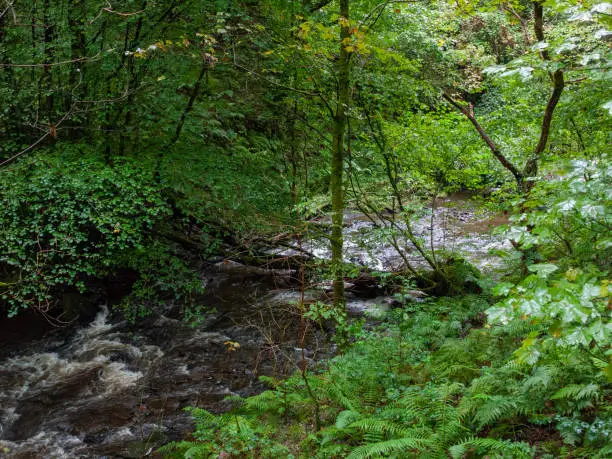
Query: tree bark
x=531, y=166
x=469, y=114
x=337, y=161
x=77, y=48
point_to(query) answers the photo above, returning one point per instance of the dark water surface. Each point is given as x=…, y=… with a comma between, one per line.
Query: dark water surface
x=114, y=389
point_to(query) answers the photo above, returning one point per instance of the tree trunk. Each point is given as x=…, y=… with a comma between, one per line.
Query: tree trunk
x=76, y=79
x=47, y=77
x=337, y=161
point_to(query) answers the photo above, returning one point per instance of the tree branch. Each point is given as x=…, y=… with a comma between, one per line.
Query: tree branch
x=522, y=22
x=469, y=114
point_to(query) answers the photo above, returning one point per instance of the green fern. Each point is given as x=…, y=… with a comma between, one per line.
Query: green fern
x=496, y=408
x=542, y=377
x=489, y=445
x=186, y=450
x=380, y=426
x=336, y=394
x=398, y=445
x=264, y=402
x=577, y=392
x=346, y=417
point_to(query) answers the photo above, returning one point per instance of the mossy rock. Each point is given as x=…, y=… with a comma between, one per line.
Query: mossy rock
x=458, y=276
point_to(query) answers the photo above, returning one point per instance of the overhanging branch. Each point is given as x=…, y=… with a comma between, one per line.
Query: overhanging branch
x=469, y=114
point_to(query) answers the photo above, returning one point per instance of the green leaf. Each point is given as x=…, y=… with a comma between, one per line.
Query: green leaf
x=543, y=269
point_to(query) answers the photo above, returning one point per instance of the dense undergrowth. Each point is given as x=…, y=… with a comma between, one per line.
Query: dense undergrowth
x=432, y=381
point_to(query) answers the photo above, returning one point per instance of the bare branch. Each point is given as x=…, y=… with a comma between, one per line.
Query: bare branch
x=50, y=132
x=320, y=4
x=510, y=9
x=469, y=113
x=54, y=64
x=109, y=9
x=9, y=7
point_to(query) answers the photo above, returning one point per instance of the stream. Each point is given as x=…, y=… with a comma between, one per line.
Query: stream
x=455, y=224
x=108, y=388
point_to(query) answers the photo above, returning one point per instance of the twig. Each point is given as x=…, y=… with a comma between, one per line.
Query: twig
x=52, y=64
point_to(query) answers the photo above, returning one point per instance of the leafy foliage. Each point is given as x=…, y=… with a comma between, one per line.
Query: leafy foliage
x=128, y=132
x=62, y=226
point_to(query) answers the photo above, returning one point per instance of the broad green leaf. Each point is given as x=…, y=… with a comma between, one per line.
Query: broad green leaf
x=543, y=269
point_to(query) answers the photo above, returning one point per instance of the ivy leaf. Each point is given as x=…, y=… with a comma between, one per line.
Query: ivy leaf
x=503, y=288
x=509, y=72
x=498, y=315
x=574, y=312
x=583, y=16
x=525, y=73
x=493, y=69
x=603, y=8
x=599, y=332
x=566, y=207
x=591, y=210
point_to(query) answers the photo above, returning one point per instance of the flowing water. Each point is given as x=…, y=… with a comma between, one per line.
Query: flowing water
x=115, y=389
x=454, y=224
x=106, y=388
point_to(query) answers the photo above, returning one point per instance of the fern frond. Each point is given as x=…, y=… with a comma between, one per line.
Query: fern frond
x=398, y=445
x=449, y=432
x=346, y=417
x=461, y=370
x=378, y=425
x=333, y=435
x=370, y=392
x=517, y=329
x=506, y=448
x=542, y=376
x=266, y=401
x=201, y=415
x=332, y=450
x=577, y=392
x=603, y=453
x=197, y=452
x=600, y=364
x=185, y=449
x=334, y=393
x=495, y=408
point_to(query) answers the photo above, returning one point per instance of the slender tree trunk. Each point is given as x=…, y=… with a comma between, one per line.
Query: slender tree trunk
x=530, y=171
x=47, y=76
x=126, y=136
x=179, y=127
x=194, y=95
x=337, y=161
x=76, y=14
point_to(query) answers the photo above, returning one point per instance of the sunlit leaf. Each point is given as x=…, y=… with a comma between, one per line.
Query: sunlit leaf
x=543, y=269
